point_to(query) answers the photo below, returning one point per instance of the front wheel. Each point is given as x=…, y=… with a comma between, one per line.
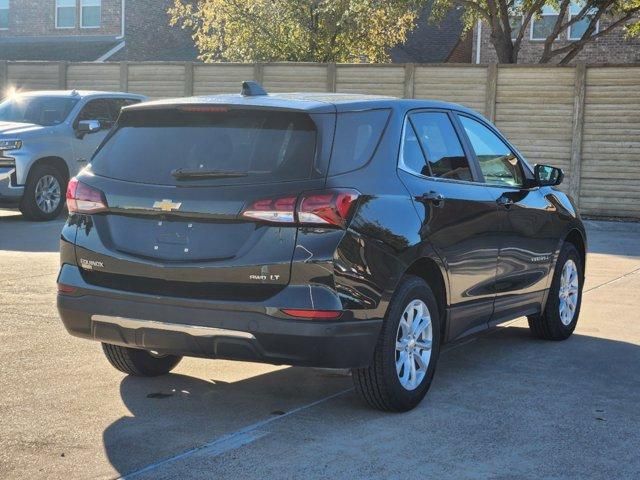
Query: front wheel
x=141, y=363
x=43, y=194
x=405, y=357
x=560, y=316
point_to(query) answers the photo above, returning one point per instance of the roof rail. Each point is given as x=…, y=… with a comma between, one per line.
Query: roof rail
x=252, y=89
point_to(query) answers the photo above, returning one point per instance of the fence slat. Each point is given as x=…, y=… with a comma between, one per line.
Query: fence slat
x=576, y=132
x=584, y=119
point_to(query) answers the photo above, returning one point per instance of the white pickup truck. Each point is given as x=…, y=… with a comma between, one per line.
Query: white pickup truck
x=46, y=137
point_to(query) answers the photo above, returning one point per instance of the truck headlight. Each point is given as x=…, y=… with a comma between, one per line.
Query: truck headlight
x=13, y=144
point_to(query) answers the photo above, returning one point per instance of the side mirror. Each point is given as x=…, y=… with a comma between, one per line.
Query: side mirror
x=88, y=126
x=548, y=176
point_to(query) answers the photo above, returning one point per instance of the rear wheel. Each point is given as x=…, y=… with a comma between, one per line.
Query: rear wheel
x=142, y=363
x=560, y=316
x=405, y=357
x=43, y=194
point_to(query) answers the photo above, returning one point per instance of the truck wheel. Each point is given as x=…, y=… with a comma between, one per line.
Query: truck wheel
x=560, y=315
x=44, y=194
x=141, y=363
x=405, y=357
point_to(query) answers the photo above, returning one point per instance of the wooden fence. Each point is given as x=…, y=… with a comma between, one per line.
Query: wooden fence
x=584, y=119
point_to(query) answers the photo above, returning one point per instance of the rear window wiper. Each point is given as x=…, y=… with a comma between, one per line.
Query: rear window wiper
x=187, y=173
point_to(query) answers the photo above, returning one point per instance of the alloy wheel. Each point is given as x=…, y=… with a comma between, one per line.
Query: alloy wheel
x=569, y=291
x=413, y=344
x=48, y=193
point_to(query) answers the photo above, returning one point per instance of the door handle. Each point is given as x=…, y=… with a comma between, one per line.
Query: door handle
x=504, y=201
x=436, y=198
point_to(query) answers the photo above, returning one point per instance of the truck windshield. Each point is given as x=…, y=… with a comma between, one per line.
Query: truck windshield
x=45, y=111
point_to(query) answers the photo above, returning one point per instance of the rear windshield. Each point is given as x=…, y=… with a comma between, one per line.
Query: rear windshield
x=251, y=146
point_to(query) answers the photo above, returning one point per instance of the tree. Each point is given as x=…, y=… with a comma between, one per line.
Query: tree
x=499, y=15
x=296, y=30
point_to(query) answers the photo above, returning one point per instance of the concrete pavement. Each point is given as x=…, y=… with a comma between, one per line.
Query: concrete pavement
x=502, y=405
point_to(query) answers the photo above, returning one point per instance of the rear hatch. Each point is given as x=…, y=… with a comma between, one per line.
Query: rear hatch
x=176, y=181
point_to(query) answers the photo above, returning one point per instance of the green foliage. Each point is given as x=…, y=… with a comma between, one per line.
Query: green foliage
x=496, y=14
x=296, y=30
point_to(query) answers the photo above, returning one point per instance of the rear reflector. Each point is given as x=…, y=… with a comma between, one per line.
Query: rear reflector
x=81, y=198
x=331, y=208
x=313, y=314
x=63, y=288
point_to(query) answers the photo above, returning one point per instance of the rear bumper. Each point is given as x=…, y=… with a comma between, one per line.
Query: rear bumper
x=206, y=329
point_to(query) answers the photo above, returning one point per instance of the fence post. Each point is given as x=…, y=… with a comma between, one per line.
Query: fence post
x=188, y=79
x=258, y=72
x=331, y=77
x=409, y=80
x=62, y=75
x=4, y=77
x=124, y=76
x=491, y=92
x=575, y=165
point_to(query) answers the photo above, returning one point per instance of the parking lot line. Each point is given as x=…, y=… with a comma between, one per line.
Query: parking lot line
x=232, y=440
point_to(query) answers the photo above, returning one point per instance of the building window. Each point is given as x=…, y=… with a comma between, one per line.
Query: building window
x=577, y=29
x=542, y=26
x=516, y=25
x=65, y=13
x=4, y=14
x=90, y=11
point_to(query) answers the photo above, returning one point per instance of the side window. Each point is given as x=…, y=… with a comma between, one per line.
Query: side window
x=432, y=147
x=356, y=139
x=117, y=104
x=497, y=162
x=97, y=110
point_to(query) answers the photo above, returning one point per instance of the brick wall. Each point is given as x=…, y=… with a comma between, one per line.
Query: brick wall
x=614, y=47
x=150, y=37
x=29, y=18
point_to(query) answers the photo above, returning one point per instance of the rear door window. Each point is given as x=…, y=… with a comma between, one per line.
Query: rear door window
x=116, y=105
x=231, y=146
x=356, y=139
x=431, y=147
x=97, y=110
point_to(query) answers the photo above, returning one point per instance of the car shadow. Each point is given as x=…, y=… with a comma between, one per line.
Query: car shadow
x=499, y=390
x=176, y=412
x=21, y=235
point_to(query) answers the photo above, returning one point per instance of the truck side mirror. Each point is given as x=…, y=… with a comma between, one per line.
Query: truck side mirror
x=88, y=126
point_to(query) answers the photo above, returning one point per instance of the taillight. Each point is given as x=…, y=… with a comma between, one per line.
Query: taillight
x=331, y=208
x=82, y=198
x=277, y=210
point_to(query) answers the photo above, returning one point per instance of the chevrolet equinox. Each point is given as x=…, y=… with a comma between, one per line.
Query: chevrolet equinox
x=323, y=230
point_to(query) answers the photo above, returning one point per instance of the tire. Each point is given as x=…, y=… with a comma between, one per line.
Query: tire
x=29, y=204
x=140, y=363
x=551, y=325
x=380, y=384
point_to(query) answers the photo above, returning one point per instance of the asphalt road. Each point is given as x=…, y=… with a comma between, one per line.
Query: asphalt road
x=503, y=405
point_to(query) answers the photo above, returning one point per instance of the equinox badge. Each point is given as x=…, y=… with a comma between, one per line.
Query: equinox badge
x=167, y=205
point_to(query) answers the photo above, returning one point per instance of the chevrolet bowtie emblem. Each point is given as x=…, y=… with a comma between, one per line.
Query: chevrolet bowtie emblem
x=167, y=205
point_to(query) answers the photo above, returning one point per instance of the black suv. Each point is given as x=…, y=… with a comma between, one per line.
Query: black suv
x=324, y=230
